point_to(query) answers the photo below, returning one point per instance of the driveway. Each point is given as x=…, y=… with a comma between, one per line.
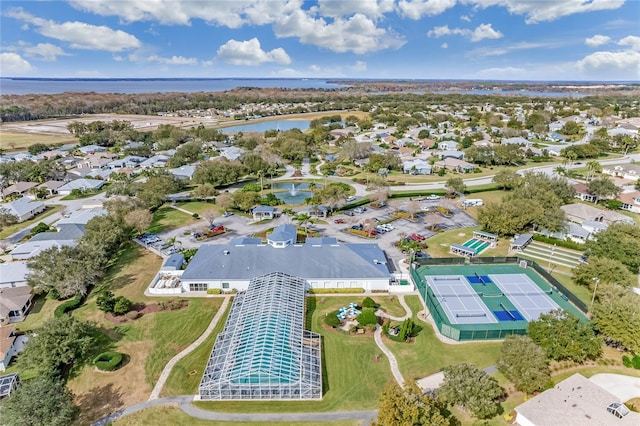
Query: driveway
x=623, y=387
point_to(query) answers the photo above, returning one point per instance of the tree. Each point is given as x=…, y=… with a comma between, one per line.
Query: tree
x=59, y=344
x=524, y=363
x=303, y=220
x=603, y=188
x=507, y=179
x=413, y=208
x=139, y=219
x=153, y=192
x=367, y=317
x=122, y=305
x=616, y=315
x=43, y=401
x=620, y=241
x=224, y=201
x=607, y=271
x=210, y=215
x=368, y=302
x=593, y=167
x=455, y=185
x=6, y=218
x=564, y=337
x=106, y=301
x=332, y=320
x=471, y=388
x=409, y=407
x=246, y=200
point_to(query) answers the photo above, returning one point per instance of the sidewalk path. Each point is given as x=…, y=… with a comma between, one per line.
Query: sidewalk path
x=393, y=363
x=184, y=403
x=155, y=393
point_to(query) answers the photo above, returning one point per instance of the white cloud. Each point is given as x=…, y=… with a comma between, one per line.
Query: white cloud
x=548, y=10
x=80, y=35
x=14, y=65
x=359, y=66
x=340, y=8
x=174, y=60
x=612, y=65
x=597, y=40
x=633, y=42
x=416, y=9
x=465, y=18
x=444, y=46
x=503, y=50
x=483, y=31
x=357, y=34
x=506, y=73
x=250, y=53
x=43, y=51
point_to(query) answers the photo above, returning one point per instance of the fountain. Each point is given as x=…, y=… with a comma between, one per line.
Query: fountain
x=293, y=192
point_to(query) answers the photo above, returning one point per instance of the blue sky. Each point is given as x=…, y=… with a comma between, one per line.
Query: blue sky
x=421, y=39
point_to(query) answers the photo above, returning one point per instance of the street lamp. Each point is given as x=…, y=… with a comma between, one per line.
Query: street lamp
x=553, y=249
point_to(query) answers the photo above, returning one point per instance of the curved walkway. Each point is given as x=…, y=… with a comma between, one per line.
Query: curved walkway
x=393, y=363
x=155, y=393
x=184, y=403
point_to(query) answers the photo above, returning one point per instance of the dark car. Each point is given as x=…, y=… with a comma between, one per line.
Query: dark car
x=349, y=213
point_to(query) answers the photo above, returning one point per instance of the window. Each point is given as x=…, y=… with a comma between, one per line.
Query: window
x=225, y=286
x=198, y=286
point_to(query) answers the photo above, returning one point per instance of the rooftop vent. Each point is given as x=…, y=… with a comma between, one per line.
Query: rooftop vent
x=226, y=252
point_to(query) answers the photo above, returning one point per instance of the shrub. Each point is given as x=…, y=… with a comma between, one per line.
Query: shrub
x=41, y=227
x=626, y=361
x=332, y=319
x=122, y=305
x=106, y=301
x=368, y=302
x=68, y=306
x=170, y=305
x=635, y=362
x=214, y=291
x=560, y=243
x=195, y=216
x=108, y=361
x=367, y=317
x=335, y=290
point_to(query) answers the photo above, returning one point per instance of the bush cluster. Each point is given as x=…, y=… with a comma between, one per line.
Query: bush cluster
x=214, y=291
x=108, y=361
x=631, y=362
x=68, y=306
x=170, y=305
x=107, y=302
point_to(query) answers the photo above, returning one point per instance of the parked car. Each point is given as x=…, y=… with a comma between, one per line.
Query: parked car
x=216, y=227
x=357, y=227
x=388, y=227
x=359, y=210
x=416, y=237
x=339, y=221
x=349, y=213
x=227, y=214
x=433, y=197
x=351, y=198
x=380, y=230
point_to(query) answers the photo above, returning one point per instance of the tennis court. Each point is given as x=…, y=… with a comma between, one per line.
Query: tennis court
x=525, y=295
x=461, y=303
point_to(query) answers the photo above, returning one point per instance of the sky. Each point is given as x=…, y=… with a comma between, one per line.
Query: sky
x=595, y=40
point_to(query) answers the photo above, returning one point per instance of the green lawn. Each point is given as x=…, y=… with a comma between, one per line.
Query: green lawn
x=352, y=378
x=41, y=311
x=428, y=355
x=583, y=293
x=171, y=416
x=187, y=373
x=85, y=194
x=10, y=230
x=166, y=218
x=197, y=206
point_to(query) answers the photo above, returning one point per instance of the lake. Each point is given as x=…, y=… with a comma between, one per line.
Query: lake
x=263, y=126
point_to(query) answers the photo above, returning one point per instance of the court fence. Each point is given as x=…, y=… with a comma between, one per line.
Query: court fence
x=565, y=291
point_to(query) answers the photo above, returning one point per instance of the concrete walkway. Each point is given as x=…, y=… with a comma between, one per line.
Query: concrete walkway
x=622, y=386
x=155, y=393
x=184, y=403
x=393, y=363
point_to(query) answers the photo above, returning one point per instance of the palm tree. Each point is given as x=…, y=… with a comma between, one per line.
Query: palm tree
x=593, y=167
x=303, y=220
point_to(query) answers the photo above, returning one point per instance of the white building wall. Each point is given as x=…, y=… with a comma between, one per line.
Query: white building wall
x=523, y=421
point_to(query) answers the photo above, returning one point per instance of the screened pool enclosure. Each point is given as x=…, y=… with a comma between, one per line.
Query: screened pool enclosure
x=264, y=352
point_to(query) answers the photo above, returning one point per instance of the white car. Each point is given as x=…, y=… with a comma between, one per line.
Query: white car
x=433, y=197
x=351, y=198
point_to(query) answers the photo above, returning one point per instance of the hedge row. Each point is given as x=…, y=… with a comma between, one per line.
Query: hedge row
x=560, y=243
x=214, y=291
x=108, y=361
x=335, y=290
x=68, y=306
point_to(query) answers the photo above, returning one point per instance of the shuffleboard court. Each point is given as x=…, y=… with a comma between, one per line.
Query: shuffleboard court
x=525, y=295
x=461, y=303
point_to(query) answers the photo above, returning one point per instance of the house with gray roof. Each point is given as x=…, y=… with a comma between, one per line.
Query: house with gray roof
x=452, y=154
x=183, y=172
x=80, y=217
x=23, y=208
x=417, y=166
x=81, y=185
x=18, y=188
x=517, y=141
x=13, y=274
x=91, y=149
x=323, y=263
x=15, y=302
x=263, y=212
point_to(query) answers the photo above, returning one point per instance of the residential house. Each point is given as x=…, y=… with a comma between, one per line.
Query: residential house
x=23, y=156
x=517, y=141
x=54, y=153
x=158, y=160
x=402, y=142
x=556, y=126
x=427, y=143
x=94, y=162
x=621, y=131
x=455, y=164
x=80, y=184
x=15, y=303
x=51, y=186
x=624, y=171
x=575, y=401
x=183, y=172
x=581, y=213
x=630, y=201
x=13, y=274
x=452, y=154
x=231, y=153
x=319, y=212
x=572, y=231
x=448, y=145
x=130, y=161
x=24, y=208
x=10, y=345
x=91, y=149
x=17, y=189
x=31, y=249
x=263, y=212
x=583, y=193
x=417, y=166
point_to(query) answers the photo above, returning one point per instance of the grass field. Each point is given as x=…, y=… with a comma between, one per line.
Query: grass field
x=353, y=377
x=198, y=206
x=166, y=218
x=17, y=141
x=438, y=245
x=49, y=210
x=427, y=355
x=171, y=416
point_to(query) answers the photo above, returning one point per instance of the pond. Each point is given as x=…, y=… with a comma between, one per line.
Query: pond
x=263, y=126
x=292, y=192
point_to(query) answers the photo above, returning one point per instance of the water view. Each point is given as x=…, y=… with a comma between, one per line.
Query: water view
x=263, y=126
